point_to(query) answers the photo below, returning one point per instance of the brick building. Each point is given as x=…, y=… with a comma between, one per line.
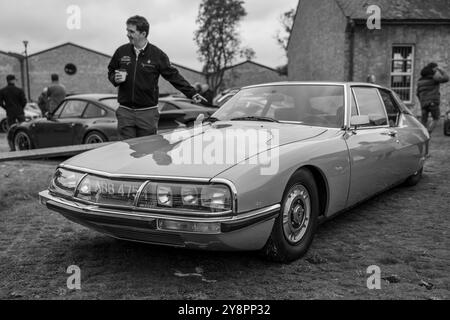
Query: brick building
x=11, y=63
x=80, y=69
x=250, y=73
x=83, y=70
x=331, y=41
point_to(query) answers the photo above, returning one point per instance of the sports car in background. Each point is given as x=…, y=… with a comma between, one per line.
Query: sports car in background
x=91, y=118
x=316, y=149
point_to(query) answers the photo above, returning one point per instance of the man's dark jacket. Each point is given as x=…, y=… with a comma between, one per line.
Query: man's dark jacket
x=140, y=90
x=428, y=88
x=13, y=100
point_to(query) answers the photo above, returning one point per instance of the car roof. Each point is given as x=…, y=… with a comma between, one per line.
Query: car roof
x=93, y=96
x=338, y=83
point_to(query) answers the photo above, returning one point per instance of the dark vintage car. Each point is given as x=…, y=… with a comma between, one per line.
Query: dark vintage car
x=91, y=118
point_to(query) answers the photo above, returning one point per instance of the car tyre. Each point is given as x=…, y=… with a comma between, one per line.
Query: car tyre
x=22, y=141
x=94, y=137
x=295, y=226
x=4, y=125
x=414, y=179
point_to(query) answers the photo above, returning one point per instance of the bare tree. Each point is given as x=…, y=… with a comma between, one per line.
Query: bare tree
x=217, y=37
x=287, y=22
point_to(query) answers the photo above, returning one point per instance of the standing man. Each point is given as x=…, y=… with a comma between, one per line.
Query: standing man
x=13, y=100
x=135, y=68
x=53, y=95
x=429, y=95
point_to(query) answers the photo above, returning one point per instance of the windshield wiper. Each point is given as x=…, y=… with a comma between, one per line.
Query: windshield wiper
x=254, y=118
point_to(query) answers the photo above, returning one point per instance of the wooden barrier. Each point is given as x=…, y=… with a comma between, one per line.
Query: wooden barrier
x=67, y=151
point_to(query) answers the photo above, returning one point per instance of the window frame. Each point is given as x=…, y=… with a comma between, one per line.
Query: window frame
x=402, y=74
x=74, y=100
x=96, y=106
x=359, y=110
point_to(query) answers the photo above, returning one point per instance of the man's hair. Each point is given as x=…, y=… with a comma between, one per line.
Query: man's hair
x=55, y=77
x=10, y=77
x=141, y=24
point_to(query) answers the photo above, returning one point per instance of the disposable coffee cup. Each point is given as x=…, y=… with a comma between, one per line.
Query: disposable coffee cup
x=123, y=74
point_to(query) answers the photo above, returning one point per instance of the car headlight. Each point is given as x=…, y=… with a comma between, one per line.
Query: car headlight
x=164, y=196
x=64, y=182
x=203, y=198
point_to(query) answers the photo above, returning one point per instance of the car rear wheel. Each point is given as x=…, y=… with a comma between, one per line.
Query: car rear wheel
x=94, y=137
x=414, y=179
x=4, y=125
x=294, y=228
x=22, y=141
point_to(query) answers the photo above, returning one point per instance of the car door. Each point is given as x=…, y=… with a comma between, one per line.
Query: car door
x=59, y=130
x=408, y=153
x=371, y=147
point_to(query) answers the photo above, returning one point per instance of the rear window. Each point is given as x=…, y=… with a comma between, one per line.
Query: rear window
x=111, y=102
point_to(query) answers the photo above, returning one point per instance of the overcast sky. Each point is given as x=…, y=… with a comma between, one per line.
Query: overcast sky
x=172, y=24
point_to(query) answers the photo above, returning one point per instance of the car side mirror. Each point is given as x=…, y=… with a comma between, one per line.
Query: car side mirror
x=48, y=115
x=357, y=121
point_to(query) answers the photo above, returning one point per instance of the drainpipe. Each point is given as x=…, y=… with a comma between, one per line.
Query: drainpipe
x=351, y=58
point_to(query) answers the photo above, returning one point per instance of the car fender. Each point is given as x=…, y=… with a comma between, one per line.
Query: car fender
x=329, y=157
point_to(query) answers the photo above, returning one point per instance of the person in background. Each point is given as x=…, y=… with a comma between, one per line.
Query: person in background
x=52, y=96
x=135, y=69
x=428, y=92
x=13, y=100
x=371, y=79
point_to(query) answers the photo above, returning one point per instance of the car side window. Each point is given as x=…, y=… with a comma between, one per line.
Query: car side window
x=73, y=109
x=370, y=104
x=92, y=111
x=58, y=111
x=392, y=108
x=354, y=108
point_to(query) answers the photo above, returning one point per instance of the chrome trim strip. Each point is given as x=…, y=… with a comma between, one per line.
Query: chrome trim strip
x=234, y=205
x=95, y=210
x=75, y=192
x=138, y=193
x=132, y=176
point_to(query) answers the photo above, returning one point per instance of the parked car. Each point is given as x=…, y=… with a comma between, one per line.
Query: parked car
x=31, y=111
x=90, y=118
x=330, y=145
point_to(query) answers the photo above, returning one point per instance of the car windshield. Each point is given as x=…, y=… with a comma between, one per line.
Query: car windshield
x=312, y=105
x=111, y=102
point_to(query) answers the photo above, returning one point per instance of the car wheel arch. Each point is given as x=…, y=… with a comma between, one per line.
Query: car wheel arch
x=321, y=184
x=92, y=131
x=14, y=131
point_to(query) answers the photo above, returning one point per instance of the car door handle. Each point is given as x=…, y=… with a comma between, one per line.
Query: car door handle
x=391, y=133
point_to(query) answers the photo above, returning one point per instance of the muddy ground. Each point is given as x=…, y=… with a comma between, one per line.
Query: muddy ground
x=404, y=231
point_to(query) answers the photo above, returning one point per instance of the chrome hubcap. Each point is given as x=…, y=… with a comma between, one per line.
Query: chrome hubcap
x=296, y=214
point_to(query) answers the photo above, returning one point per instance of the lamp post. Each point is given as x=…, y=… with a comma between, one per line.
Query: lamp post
x=25, y=43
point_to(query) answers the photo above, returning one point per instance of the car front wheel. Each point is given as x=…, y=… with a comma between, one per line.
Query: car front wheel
x=294, y=228
x=22, y=141
x=94, y=137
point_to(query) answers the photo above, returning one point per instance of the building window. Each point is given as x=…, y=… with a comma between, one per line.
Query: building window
x=70, y=69
x=402, y=71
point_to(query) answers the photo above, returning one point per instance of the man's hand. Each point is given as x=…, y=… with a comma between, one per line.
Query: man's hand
x=198, y=98
x=120, y=76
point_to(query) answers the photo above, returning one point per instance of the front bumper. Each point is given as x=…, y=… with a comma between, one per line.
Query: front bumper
x=248, y=231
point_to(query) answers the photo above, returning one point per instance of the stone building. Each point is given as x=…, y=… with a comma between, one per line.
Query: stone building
x=250, y=73
x=331, y=41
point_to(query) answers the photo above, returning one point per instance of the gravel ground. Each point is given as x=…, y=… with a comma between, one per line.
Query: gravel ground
x=404, y=231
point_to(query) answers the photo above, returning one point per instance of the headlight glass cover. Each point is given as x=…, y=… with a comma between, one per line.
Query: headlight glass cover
x=202, y=198
x=64, y=182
